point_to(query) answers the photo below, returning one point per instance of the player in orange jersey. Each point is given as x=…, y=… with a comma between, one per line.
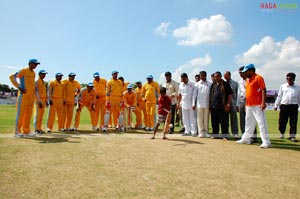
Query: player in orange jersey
x=25, y=101
x=40, y=101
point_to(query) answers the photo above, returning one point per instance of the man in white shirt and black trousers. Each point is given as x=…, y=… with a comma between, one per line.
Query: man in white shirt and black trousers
x=288, y=100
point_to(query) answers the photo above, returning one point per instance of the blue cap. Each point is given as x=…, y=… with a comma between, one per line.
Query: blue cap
x=58, y=74
x=96, y=74
x=149, y=76
x=42, y=72
x=34, y=61
x=129, y=86
x=90, y=84
x=72, y=74
x=138, y=81
x=114, y=71
x=249, y=66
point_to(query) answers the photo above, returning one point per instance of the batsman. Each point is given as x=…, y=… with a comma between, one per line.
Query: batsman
x=164, y=113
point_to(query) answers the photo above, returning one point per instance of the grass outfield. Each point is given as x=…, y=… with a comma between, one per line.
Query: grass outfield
x=130, y=165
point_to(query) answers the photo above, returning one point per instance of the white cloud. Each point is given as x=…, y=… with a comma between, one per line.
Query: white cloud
x=162, y=29
x=273, y=59
x=12, y=67
x=213, y=30
x=192, y=68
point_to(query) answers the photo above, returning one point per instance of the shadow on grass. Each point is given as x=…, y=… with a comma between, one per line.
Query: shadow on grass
x=51, y=140
x=287, y=145
x=184, y=142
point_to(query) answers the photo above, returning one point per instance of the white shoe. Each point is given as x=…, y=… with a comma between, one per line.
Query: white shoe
x=104, y=129
x=19, y=135
x=29, y=135
x=241, y=141
x=74, y=129
x=265, y=145
x=62, y=129
x=94, y=128
x=201, y=136
x=48, y=130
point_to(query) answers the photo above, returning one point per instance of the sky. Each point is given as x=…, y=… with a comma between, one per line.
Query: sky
x=140, y=37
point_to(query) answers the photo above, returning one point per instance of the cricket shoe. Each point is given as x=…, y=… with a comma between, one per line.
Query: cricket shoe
x=265, y=145
x=19, y=135
x=94, y=128
x=62, y=130
x=31, y=134
x=49, y=130
x=241, y=141
x=38, y=132
x=104, y=129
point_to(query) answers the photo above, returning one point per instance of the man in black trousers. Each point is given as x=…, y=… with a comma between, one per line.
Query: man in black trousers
x=288, y=100
x=219, y=104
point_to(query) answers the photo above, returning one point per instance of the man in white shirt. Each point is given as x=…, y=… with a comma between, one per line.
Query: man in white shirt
x=186, y=89
x=201, y=100
x=172, y=91
x=288, y=100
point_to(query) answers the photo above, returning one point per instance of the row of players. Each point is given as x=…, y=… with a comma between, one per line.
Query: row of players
x=100, y=97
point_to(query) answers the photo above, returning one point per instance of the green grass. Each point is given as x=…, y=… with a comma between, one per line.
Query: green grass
x=130, y=165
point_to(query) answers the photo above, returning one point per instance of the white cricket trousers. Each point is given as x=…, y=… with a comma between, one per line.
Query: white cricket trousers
x=254, y=115
x=189, y=121
x=202, y=120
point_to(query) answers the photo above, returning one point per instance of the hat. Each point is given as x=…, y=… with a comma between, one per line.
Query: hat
x=129, y=86
x=34, y=61
x=138, y=81
x=247, y=67
x=58, y=74
x=90, y=84
x=96, y=74
x=72, y=74
x=114, y=71
x=149, y=76
x=42, y=72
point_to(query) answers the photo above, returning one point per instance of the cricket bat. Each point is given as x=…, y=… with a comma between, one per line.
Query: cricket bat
x=106, y=118
x=167, y=122
x=121, y=121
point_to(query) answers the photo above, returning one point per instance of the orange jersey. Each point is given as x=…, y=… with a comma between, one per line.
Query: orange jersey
x=114, y=88
x=40, y=90
x=55, y=90
x=130, y=99
x=27, y=80
x=87, y=97
x=150, y=91
x=139, y=95
x=254, y=87
x=71, y=88
x=100, y=87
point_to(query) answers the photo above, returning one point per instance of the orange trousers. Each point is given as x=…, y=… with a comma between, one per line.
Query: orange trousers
x=39, y=113
x=100, y=108
x=68, y=114
x=24, y=112
x=115, y=109
x=150, y=112
x=92, y=115
x=139, y=115
x=55, y=109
